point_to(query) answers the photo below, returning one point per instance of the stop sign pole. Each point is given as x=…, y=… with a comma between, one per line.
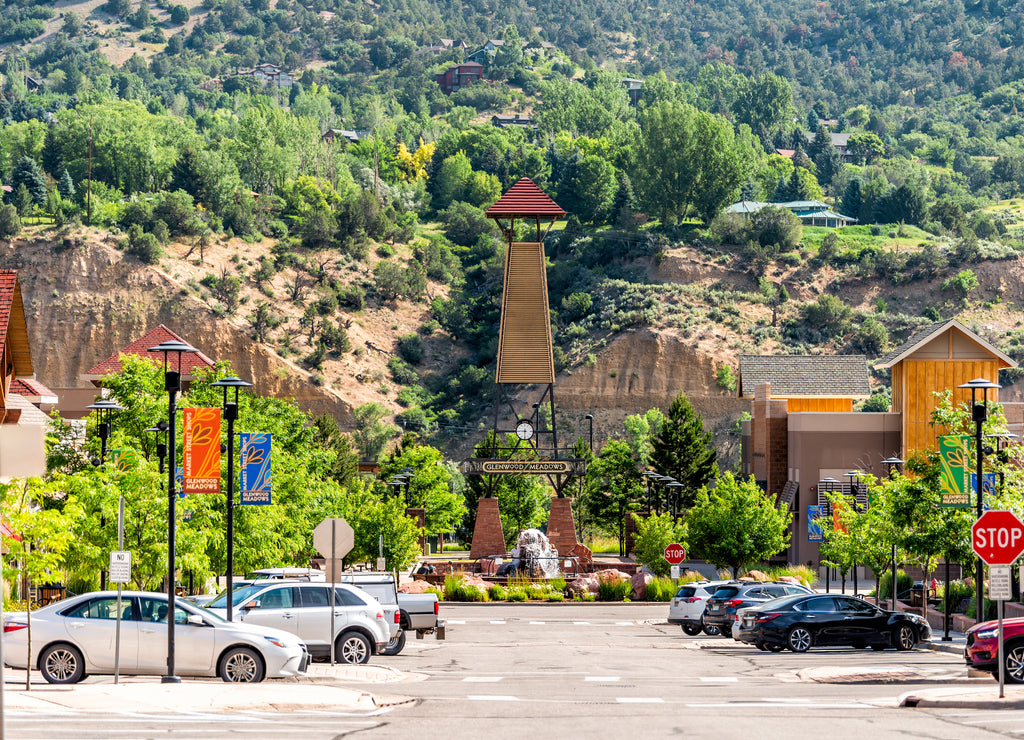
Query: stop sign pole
x=997, y=538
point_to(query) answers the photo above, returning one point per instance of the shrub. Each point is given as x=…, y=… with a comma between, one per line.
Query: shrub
x=964, y=282
x=10, y=224
x=903, y=585
x=516, y=594
x=496, y=593
x=142, y=245
x=556, y=597
x=959, y=591
x=725, y=378
x=455, y=589
x=660, y=589
x=410, y=348
x=614, y=590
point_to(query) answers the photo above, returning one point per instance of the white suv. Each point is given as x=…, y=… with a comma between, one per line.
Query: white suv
x=304, y=609
x=687, y=607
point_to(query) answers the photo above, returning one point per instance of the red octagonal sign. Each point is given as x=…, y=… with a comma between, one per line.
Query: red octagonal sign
x=998, y=537
x=675, y=554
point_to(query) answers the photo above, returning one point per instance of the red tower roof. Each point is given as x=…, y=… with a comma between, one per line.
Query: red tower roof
x=140, y=347
x=525, y=199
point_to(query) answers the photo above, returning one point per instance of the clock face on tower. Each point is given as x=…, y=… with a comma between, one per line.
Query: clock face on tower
x=524, y=430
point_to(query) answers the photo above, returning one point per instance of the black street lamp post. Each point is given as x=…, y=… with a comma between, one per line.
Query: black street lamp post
x=104, y=408
x=674, y=497
x=231, y=414
x=854, y=476
x=172, y=384
x=650, y=476
x=979, y=412
x=894, y=464
x=830, y=487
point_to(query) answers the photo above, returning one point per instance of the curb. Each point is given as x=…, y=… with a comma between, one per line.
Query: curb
x=954, y=648
x=910, y=701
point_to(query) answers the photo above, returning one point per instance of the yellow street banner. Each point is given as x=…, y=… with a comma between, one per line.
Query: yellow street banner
x=201, y=455
x=954, y=483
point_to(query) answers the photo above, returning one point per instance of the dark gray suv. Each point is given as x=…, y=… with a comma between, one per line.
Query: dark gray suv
x=730, y=597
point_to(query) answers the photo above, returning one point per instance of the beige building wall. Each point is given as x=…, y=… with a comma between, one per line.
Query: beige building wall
x=23, y=445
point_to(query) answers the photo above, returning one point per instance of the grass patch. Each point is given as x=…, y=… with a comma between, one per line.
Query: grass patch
x=614, y=590
x=660, y=589
x=604, y=545
x=455, y=589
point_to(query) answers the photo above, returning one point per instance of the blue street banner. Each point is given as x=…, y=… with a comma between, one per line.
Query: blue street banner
x=988, y=483
x=255, y=467
x=816, y=515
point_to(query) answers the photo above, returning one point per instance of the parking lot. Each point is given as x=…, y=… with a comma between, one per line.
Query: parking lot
x=608, y=670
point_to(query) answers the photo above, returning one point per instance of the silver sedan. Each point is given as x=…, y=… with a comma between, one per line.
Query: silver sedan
x=75, y=637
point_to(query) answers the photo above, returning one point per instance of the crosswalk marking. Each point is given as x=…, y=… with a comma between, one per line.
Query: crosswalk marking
x=624, y=624
x=537, y=622
x=581, y=623
x=640, y=700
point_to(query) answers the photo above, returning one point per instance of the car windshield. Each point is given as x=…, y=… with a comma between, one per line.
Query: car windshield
x=196, y=609
x=240, y=595
x=726, y=592
x=382, y=592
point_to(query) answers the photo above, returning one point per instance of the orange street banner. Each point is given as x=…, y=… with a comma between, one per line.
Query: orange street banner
x=202, y=451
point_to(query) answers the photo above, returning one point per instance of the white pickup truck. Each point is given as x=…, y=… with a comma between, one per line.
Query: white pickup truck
x=417, y=612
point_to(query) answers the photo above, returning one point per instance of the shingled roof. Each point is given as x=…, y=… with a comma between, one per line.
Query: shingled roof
x=12, y=323
x=140, y=347
x=832, y=376
x=525, y=198
x=921, y=337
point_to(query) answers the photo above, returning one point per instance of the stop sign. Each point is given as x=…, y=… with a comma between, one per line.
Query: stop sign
x=675, y=554
x=998, y=537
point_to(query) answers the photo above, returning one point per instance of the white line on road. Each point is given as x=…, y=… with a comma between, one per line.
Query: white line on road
x=537, y=622
x=581, y=623
x=498, y=621
x=639, y=700
x=624, y=624
x=763, y=705
x=491, y=697
x=719, y=679
x=601, y=679
x=456, y=621
x=482, y=679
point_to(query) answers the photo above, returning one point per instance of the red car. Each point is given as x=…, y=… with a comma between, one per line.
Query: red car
x=982, y=651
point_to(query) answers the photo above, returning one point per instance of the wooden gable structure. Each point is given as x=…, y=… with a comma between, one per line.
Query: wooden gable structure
x=821, y=383
x=938, y=358
x=15, y=358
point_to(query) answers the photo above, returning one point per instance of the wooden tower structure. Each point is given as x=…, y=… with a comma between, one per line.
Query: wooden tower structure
x=525, y=402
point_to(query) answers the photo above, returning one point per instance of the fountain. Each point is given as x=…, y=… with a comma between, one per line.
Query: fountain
x=533, y=556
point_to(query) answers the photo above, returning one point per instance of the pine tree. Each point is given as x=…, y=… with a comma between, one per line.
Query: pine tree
x=27, y=173
x=52, y=156
x=684, y=450
x=851, y=201
x=65, y=186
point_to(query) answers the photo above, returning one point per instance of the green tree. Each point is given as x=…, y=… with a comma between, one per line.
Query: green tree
x=829, y=315
x=684, y=450
x=616, y=488
x=372, y=433
x=27, y=173
x=653, y=535
x=736, y=524
x=765, y=101
x=430, y=485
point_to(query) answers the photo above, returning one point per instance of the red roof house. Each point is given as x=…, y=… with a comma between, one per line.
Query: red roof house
x=140, y=348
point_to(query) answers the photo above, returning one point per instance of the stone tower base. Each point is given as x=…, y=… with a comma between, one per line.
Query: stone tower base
x=488, y=536
x=561, y=526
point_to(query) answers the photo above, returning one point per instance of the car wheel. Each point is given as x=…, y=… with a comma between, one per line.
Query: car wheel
x=905, y=637
x=353, y=648
x=395, y=645
x=799, y=639
x=62, y=664
x=691, y=629
x=710, y=629
x=774, y=647
x=760, y=646
x=241, y=665
x=1013, y=661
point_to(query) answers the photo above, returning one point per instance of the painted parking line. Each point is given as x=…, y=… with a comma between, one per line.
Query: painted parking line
x=719, y=679
x=601, y=679
x=581, y=623
x=491, y=697
x=455, y=621
x=777, y=705
x=498, y=621
x=639, y=700
x=538, y=622
x=482, y=679
x=624, y=624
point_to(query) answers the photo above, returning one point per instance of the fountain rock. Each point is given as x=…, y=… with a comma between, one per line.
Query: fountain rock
x=640, y=581
x=534, y=556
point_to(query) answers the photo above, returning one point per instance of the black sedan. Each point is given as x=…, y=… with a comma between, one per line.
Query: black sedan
x=798, y=622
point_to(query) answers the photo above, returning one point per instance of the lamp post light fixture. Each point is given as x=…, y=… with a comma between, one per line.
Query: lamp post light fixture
x=172, y=384
x=831, y=484
x=664, y=480
x=231, y=414
x=590, y=418
x=674, y=497
x=979, y=412
x=854, y=476
x=650, y=476
x=104, y=408
x=894, y=464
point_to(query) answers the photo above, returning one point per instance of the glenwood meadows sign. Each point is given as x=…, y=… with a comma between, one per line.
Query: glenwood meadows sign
x=487, y=466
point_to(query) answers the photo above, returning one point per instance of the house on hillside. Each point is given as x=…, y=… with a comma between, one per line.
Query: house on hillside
x=353, y=136
x=810, y=212
x=486, y=52
x=516, y=119
x=444, y=45
x=459, y=76
x=23, y=424
x=804, y=439
x=840, y=142
x=634, y=88
x=267, y=74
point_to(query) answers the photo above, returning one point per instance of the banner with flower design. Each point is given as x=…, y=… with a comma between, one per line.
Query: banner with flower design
x=255, y=467
x=201, y=456
x=954, y=483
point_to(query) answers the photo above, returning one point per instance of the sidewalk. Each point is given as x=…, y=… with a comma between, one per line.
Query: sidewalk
x=319, y=689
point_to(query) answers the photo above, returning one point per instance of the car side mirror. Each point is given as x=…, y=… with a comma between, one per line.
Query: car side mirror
x=195, y=619
x=251, y=605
